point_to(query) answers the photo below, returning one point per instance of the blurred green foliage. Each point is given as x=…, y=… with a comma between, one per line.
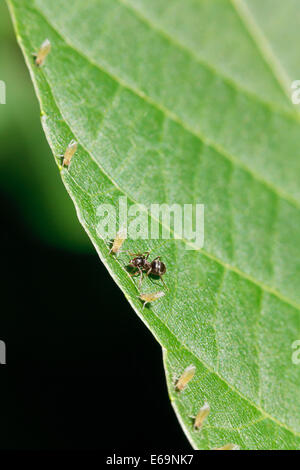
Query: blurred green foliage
x=28, y=174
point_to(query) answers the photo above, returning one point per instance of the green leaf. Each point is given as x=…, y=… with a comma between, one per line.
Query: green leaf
x=185, y=101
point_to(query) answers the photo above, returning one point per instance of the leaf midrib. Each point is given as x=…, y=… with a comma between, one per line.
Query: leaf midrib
x=199, y=60
x=175, y=118
x=265, y=50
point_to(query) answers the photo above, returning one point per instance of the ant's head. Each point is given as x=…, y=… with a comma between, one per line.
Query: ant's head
x=138, y=261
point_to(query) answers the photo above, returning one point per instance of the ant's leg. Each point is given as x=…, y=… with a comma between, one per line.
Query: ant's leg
x=138, y=271
x=145, y=253
x=133, y=274
x=132, y=254
x=141, y=277
x=158, y=257
x=164, y=282
x=148, y=272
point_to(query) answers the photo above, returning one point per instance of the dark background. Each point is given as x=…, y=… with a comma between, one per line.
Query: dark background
x=82, y=370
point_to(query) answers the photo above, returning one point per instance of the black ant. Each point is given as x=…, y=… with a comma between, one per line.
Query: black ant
x=141, y=263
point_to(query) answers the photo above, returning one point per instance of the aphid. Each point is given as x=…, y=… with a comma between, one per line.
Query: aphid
x=141, y=263
x=228, y=446
x=118, y=241
x=185, y=378
x=150, y=297
x=70, y=150
x=201, y=416
x=43, y=51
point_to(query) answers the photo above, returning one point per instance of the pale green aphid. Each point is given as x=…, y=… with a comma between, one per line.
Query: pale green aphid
x=70, y=150
x=118, y=241
x=228, y=446
x=42, y=53
x=150, y=297
x=185, y=378
x=201, y=416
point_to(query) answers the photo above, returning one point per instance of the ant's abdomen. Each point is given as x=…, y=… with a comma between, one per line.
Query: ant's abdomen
x=158, y=267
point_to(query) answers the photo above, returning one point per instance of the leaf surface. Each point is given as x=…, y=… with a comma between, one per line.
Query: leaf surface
x=185, y=102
